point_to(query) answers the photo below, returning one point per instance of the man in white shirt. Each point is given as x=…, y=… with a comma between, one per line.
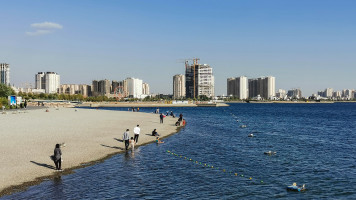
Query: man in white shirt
x=137, y=133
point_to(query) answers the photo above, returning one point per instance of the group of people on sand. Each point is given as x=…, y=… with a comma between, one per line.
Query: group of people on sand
x=57, y=156
x=180, y=122
x=134, y=140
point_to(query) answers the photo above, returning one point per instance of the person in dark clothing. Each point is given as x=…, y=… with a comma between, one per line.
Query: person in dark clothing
x=154, y=133
x=58, y=157
x=180, y=117
x=25, y=104
x=161, y=118
x=172, y=114
x=126, y=138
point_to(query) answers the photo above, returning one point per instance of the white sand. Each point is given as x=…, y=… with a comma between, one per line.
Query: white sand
x=28, y=139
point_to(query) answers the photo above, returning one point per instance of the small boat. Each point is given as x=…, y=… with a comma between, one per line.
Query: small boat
x=243, y=126
x=270, y=152
x=294, y=187
x=251, y=135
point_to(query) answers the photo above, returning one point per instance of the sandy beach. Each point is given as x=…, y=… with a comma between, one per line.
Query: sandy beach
x=28, y=139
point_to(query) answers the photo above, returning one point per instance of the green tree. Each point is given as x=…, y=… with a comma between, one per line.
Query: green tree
x=6, y=91
x=203, y=98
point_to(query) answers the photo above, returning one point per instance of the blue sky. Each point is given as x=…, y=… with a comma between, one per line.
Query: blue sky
x=305, y=44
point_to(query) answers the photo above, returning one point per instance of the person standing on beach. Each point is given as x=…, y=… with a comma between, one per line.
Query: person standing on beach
x=161, y=118
x=137, y=132
x=126, y=138
x=58, y=157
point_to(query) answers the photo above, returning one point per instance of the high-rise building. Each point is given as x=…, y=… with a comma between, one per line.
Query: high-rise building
x=281, y=94
x=328, y=92
x=5, y=73
x=101, y=88
x=263, y=86
x=104, y=87
x=134, y=87
x=117, y=87
x=74, y=89
x=337, y=94
x=178, y=86
x=145, y=89
x=52, y=82
x=348, y=94
x=49, y=81
x=271, y=88
x=238, y=87
x=294, y=93
x=199, y=80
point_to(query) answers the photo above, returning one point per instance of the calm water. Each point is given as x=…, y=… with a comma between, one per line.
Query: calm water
x=315, y=145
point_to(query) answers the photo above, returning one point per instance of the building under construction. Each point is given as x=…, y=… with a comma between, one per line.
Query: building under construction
x=199, y=79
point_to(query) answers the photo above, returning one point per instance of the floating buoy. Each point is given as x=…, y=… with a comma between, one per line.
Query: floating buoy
x=217, y=168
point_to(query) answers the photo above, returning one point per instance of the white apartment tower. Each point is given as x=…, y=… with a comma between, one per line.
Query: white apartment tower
x=199, y=80
x=263, y=86
x=145, y=89
x=205, y=81
x=238, y=87
x=5, y=73
x=178, y=86
x=271, y=91
x=329, y=92
x=134, y=87
x=49, y=81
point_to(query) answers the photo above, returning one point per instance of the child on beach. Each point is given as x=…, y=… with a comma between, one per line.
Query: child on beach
x=158, y=141
x=132, y=142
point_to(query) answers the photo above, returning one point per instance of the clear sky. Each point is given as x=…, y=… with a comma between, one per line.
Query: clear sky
x=306, y=44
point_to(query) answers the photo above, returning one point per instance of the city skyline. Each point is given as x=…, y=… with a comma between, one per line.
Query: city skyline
x=306, y=45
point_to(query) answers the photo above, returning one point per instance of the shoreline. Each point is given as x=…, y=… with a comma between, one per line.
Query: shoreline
x=146, y=105
x=71, y=164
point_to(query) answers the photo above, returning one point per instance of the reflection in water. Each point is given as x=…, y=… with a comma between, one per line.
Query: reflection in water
x=57, y=180
x=57, y=188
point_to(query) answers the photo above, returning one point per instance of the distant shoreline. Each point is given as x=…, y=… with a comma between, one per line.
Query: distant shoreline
x=146, y=105
x=294, y=102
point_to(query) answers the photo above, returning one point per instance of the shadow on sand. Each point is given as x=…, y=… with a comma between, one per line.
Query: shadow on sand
x=118, y=140
x=43, y=165
x=112, y=147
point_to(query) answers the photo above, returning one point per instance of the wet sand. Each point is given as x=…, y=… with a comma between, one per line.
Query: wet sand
x=28, y=139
